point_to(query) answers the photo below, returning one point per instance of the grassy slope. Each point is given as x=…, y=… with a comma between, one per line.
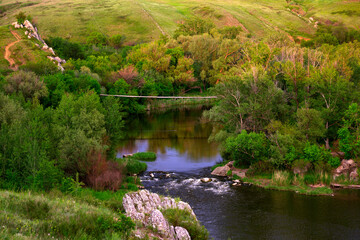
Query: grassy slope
x=29, y=215
x=23, y=51
x=75, y=19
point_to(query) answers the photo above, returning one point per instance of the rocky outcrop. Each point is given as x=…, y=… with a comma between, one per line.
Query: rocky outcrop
x=32, y=32
x=229, y=168
x=145, y=207
x=348, y=168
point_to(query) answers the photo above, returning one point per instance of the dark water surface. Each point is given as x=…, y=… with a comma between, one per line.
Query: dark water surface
x=246, y=212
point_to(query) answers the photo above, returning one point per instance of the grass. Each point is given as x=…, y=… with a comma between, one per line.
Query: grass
x=27, y=215
x=287, y=181
x=144, y=156
x=183, y=218
x=133, y=166
x=139, y=20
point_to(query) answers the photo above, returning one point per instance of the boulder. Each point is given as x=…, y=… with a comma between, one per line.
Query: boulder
x=158, y=221
x=221, y=171
x=340, y=155
x=145, y=207
x=182, y=234
x=206, y=180
x=239, y=172
x=58, y=59
x=354, y=176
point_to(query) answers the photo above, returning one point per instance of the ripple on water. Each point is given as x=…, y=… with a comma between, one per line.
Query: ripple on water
x=216, y=187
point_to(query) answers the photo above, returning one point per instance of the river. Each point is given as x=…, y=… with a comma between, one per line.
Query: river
x=179, y=138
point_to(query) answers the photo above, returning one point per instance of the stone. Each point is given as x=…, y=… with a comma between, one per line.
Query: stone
x=354, y=175
x=52, y=51
x=144, y=207
x=158, y=221
x=58, y=59
x=206, y=180
x=239, y=172
x=230, y=164
x=182, y=233
x=221, y=171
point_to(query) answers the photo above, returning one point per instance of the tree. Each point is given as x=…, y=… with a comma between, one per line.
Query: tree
x=310, y=123
x=26, y=83
x=117, y=40
x=79, y=127
x=246, y=148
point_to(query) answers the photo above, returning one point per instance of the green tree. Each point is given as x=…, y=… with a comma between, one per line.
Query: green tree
x=310, y=124
x=26, y=83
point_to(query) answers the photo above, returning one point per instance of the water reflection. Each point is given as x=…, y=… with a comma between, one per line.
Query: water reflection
x=177, y=136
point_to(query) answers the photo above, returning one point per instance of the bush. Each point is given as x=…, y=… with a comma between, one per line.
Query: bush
x=97, y=38
x=20, y=17
x=144, y=156
x=66, y=49
x=246, y=148
x=134, y=166
x=260, y=168
x=26, y=83
x=183, y=218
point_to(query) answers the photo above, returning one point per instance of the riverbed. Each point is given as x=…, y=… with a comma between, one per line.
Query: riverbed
x=184, y=156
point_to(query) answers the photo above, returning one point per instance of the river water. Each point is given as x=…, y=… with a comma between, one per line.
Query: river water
x=180, y=140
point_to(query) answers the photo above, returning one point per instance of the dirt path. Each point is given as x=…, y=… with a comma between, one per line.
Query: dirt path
x=7, y=54
x=151, y=18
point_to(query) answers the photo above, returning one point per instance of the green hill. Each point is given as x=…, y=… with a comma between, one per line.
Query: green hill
x=144, y=20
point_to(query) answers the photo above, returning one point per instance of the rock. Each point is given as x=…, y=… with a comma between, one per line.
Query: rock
x=144, y=207
x=53, y=53
x=340, y=155
x=158, y=221
x=168, y=175
x=206, y=180
x=182, y=233
x=230, y=164
x=221, y=171
x=58, y=59
x=239, y=172
x=351, y=163
x=354, y=176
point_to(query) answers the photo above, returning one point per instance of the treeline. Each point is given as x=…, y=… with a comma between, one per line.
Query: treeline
x=283, y=106
x=291, y=100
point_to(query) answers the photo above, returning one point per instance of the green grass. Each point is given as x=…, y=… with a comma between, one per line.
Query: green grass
x=133, y=166
x=137, y=20
x=287, y=181
x=27, y=215
x=183, y=218
x=144, y=156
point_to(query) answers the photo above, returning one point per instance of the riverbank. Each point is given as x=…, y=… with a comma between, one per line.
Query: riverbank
x=306, y=183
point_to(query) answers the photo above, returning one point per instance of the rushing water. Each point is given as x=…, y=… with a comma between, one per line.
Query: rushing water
x=246, y=212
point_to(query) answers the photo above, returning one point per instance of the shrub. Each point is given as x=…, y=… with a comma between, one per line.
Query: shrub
x=26, y=83
x=20, y=17
x=144, y=156
x=117, y=40
x=66, y=49
x=134, y=166
x=183, y=218
x=246, y=148
x=97, y=38
x=260, y=168
x=103, y=174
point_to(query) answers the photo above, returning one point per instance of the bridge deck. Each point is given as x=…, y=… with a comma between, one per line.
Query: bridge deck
x=158, y=97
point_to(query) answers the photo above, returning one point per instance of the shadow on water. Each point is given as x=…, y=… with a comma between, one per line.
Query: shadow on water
x=246, y=212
